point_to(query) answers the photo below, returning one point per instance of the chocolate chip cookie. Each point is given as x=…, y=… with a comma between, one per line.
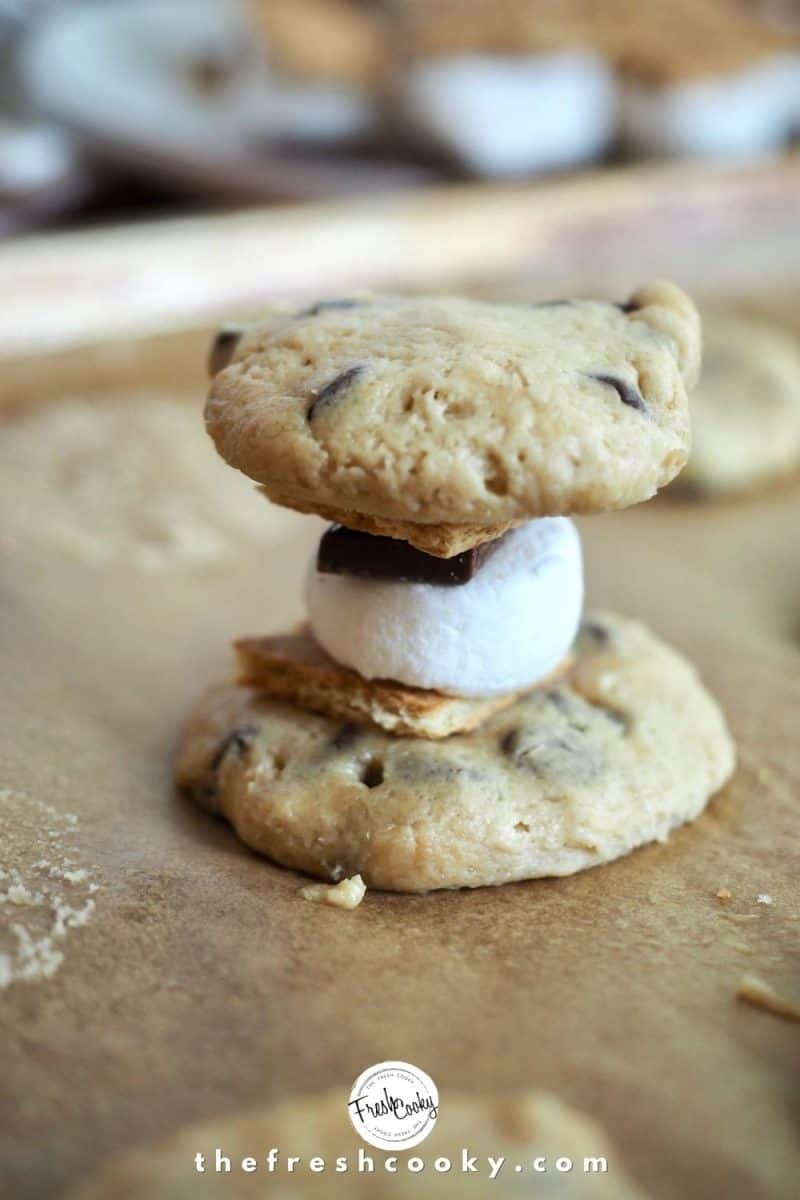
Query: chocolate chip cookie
x=407, y=416
x=746, y=408
x=624, y=748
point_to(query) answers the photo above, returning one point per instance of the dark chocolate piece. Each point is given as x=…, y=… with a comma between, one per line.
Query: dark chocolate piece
x=348, y=552
x=627, y=394
x=332, y=391
x=223, y=348
x=326, y=306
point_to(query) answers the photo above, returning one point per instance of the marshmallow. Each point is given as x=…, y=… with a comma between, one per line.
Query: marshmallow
x=508, y=116
x=735, y=116
x=503, y=631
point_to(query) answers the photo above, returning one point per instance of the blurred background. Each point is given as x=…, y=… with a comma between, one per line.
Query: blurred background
x=164, y=163
x=114, y=109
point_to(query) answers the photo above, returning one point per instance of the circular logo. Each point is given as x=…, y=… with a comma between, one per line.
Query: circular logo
x=393, y=1105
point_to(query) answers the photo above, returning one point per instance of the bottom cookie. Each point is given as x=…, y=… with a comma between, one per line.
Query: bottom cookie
x=624, y=748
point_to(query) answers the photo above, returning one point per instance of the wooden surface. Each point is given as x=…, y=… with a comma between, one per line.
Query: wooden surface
x=204, y=984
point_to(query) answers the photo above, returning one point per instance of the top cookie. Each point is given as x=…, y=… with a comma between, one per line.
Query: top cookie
x=431, y=411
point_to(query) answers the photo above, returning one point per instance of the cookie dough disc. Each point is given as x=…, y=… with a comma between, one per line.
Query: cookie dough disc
x=444, y=410
x=746, y=408
x=508, y=627
x=626, y=747
x=518, y=1128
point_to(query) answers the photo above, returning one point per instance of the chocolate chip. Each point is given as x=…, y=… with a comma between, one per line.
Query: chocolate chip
x=509, y=743
x=421, y=768
x=619, y=719
x=630, y=306
x=326, y=306
x=346, y=737
x=559, y=754
x=597, y=632
x=332, y=391
x=237, y=740
x=223, y=348
x=371, y=772
x=627, y=394
x=560, y=701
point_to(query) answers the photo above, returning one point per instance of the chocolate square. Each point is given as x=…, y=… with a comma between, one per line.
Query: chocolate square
x=345, y=551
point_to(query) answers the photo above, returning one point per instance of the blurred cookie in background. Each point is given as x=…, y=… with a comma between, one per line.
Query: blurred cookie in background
x=125, y=482
x=188, y=93
x=506, y=89
x=322, y=39
x=703, y=78
x=327, y=58
x=745, y=409
x=524, y=1127
x=783, y=14
x=42, y=172
x=519, y=86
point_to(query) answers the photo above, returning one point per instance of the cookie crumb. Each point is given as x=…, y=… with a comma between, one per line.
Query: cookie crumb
x=36, y=919
x=347, y=894
x=764, y=898
x=755, y=991
x=723, y=895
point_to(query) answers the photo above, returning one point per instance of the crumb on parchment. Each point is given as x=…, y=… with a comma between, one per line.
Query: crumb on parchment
x=723, y=895
x=41, y=899
x=347, y=894
x=756, y=991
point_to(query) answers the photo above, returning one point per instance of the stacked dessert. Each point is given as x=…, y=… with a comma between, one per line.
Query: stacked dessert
x=447, y=719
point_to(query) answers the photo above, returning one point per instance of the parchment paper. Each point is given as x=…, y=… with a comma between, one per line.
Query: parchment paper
x=202, y=982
